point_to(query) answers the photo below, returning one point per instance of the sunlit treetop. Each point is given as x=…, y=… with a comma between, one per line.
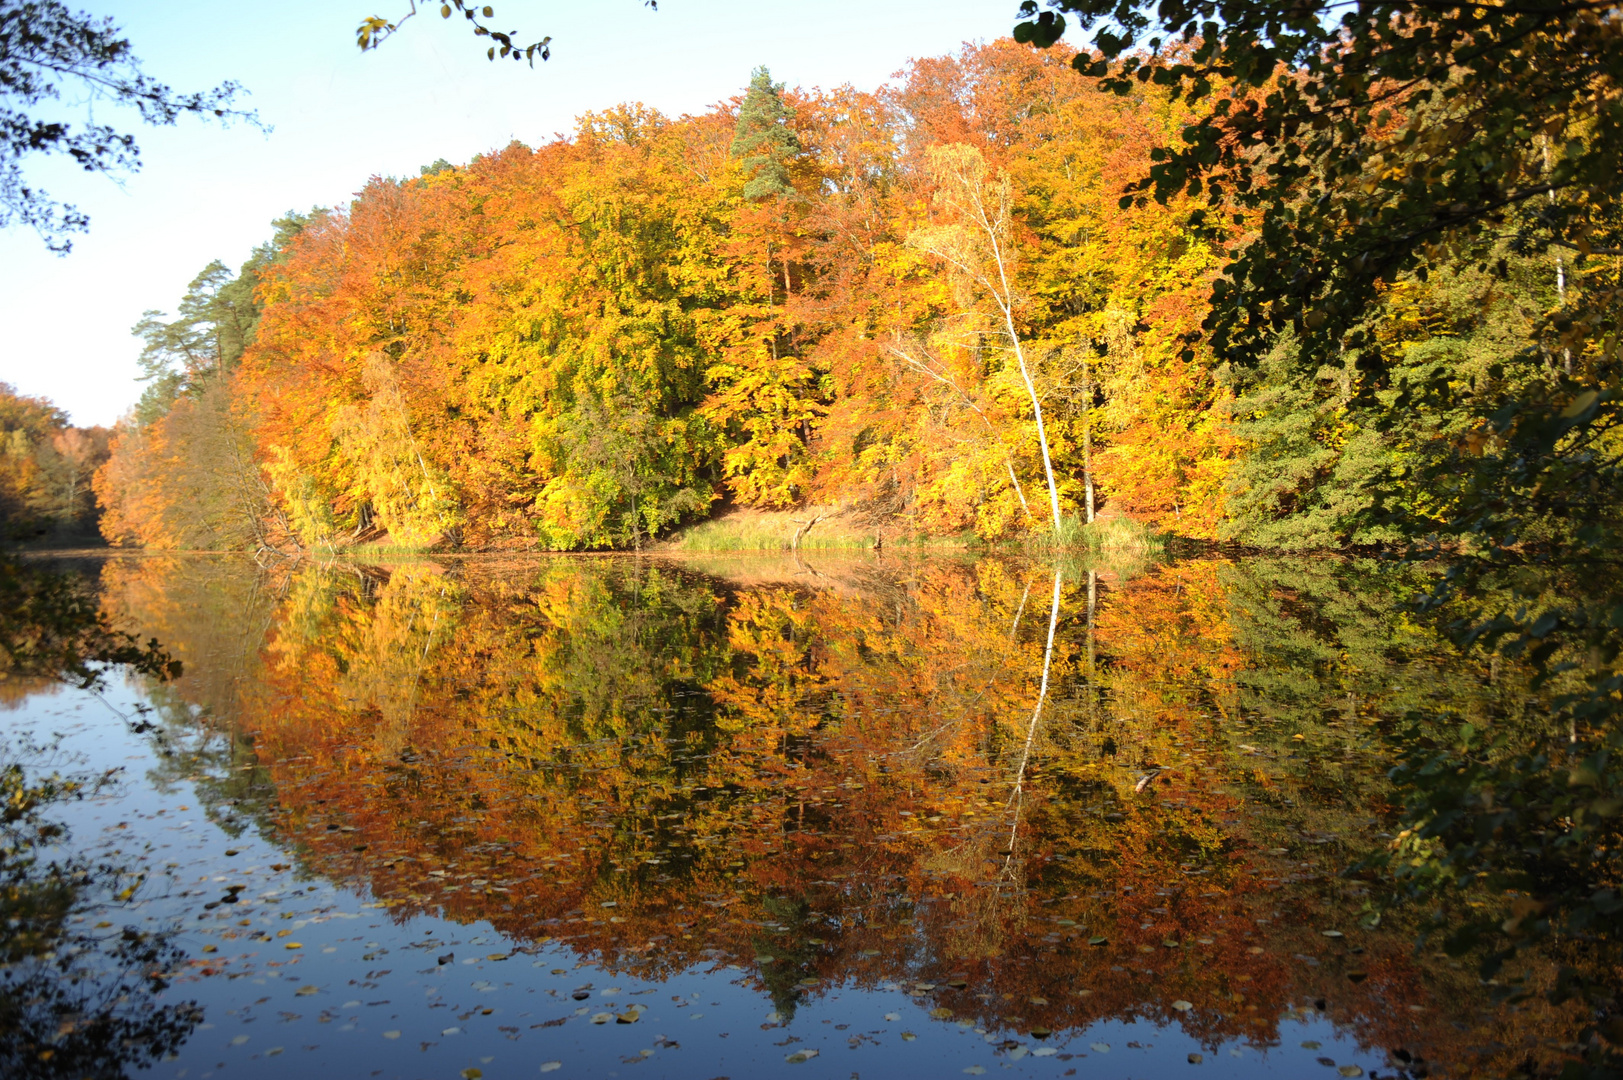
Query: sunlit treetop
x=763, y=138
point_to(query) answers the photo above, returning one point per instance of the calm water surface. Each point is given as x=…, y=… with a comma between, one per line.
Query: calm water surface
x=620, y=817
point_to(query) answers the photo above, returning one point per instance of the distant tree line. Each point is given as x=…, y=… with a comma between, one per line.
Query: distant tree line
x=46, y=470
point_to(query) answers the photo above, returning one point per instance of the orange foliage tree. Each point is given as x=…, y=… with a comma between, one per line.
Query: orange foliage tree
x=581, y=345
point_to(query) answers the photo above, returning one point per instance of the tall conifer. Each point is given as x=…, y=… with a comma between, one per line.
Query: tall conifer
x=764, y=139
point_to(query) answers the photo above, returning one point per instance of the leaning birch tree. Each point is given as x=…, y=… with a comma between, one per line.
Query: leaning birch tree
x=976, y=244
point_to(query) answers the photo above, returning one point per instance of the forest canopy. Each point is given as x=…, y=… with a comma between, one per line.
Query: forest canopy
x=583, y=344
x=1017, y=287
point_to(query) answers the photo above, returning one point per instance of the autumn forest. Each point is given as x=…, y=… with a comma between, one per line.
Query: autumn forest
x=1106, y=540
x=925, y=306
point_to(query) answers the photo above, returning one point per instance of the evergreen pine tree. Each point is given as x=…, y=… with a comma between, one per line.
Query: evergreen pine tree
x=764, y=139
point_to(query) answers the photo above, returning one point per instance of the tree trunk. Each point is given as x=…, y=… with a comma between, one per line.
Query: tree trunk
x=1087, y=436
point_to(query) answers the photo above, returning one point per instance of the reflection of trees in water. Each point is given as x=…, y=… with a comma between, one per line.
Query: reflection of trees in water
x=75, y=1001
x=852, y=782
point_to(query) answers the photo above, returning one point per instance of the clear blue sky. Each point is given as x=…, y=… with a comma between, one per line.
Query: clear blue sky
x=340, y=117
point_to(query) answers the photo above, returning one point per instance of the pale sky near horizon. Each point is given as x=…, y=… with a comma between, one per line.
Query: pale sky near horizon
x=338, y=117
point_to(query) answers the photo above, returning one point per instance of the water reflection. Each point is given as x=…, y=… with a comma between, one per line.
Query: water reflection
x=76, y=998
x=1040, y=802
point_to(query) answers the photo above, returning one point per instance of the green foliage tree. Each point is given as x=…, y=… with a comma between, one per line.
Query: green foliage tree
x=1355, y=154
x=763, y=141
x=182, y=470
x=629, y=460
x=1362, y=146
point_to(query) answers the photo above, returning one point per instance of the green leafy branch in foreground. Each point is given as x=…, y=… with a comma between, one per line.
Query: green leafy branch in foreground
x=1347, y=151
x=1356, y=143
x=375, y=29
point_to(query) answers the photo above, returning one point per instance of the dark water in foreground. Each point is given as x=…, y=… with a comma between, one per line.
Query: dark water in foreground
x=616, y=817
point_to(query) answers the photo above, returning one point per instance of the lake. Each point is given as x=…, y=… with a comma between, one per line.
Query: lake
x=647, y=817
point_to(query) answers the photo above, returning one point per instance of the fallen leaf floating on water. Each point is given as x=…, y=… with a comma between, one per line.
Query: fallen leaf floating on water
x=470, y=1074
x=551, y=1066
x=391, y=1034
x=628, y=1017
x=800, y=1057
x=1350, y=1070
x=1183, y=1006
x=1099, y=1048
x=1196, y=1059
x=602, y=1018
x=893, y=1017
